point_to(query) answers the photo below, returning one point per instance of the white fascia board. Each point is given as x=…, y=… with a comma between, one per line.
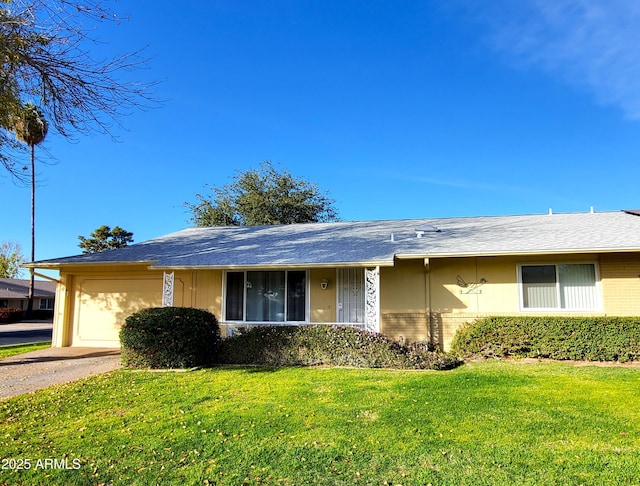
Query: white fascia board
x=276, y=266
x=63, y=265
x=407, y=256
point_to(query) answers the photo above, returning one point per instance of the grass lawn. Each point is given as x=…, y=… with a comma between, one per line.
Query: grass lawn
x=483, y=423
x=7, y=351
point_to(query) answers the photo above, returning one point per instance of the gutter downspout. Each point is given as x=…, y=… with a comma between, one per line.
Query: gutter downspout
x=427, y=299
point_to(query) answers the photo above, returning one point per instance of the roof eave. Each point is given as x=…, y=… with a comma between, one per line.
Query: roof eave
x=408, y=256
x=59, y=265
x=153, y=265
x=275, y=266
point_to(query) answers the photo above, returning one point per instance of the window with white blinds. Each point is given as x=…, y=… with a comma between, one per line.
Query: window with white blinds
x=570, y=286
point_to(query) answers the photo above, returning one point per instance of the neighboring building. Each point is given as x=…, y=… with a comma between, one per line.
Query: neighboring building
x=14, y=294
x=414, y=280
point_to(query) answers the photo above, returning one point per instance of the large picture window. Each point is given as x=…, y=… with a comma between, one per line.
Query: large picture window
x=266, y=296
x=559, y=286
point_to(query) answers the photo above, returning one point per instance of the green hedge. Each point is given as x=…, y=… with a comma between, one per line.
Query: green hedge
x=562, y=338
x=169, y=337
x=327, y=345
x=10, y=315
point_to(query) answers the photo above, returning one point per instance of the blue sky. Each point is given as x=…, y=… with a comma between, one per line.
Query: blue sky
x=411, y=109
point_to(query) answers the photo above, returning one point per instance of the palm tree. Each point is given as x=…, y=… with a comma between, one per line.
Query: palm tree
x=31, y=128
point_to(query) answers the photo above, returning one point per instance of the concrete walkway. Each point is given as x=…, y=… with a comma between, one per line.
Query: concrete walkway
x=33, y=371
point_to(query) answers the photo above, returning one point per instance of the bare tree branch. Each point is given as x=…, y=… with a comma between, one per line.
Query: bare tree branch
x=45, y=59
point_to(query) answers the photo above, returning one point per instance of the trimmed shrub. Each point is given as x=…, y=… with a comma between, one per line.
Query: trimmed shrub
x=169, y=337
x=10, y=315
x=327, y=345
x=562, y=338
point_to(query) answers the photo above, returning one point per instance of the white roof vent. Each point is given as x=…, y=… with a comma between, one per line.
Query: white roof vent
x=426, y=228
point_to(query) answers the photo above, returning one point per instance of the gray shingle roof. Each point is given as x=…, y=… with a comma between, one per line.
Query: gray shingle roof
x=11, y=288
x=371, y=242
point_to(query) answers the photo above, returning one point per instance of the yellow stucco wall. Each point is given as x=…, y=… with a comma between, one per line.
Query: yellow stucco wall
x=322, y=301
x=206, y=287
x=96, y=301
x=403, y=287
x=92, y=302
x=620, y=280
x=404, y=301
x=418, y=300
x=453, y=305
x=61, y=331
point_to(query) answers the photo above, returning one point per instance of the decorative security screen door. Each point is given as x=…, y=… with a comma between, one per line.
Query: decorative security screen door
x=358, y=297
x=351, y=295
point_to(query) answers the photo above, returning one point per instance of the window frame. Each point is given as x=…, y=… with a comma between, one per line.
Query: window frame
x=244, y=321
x=598, y=293
x=50, y=303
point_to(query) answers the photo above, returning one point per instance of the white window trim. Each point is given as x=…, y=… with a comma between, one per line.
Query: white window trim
x=556, y=263
x=244, y=322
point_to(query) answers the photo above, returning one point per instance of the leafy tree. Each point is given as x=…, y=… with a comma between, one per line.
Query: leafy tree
x=104, y=238
x=263, y=197
x=45, y=58
x=10, y=259
x=31, y=128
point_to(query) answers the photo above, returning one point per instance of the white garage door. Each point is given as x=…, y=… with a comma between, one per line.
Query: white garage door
x=102, y=304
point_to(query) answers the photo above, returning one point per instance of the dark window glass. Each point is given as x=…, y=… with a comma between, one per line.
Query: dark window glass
x=539, y=274
x=235, y=296
x=296, y=302
x=265, y=296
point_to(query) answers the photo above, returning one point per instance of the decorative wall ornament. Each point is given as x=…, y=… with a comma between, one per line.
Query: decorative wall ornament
x=470, y=287
x=167, y=289
x=372, y=301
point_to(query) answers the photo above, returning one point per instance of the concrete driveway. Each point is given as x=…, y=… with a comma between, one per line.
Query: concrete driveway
x=33, y=371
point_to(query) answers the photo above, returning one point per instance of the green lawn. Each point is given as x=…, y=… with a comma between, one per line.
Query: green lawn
x=482, y=423
x=7, y=351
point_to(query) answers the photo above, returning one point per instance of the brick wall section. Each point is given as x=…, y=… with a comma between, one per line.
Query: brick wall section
x=412, y=326
x=445, y=325
x=620, y=280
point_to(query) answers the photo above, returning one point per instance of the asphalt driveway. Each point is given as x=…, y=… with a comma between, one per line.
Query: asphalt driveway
x=26, y=332
x=33, y=371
